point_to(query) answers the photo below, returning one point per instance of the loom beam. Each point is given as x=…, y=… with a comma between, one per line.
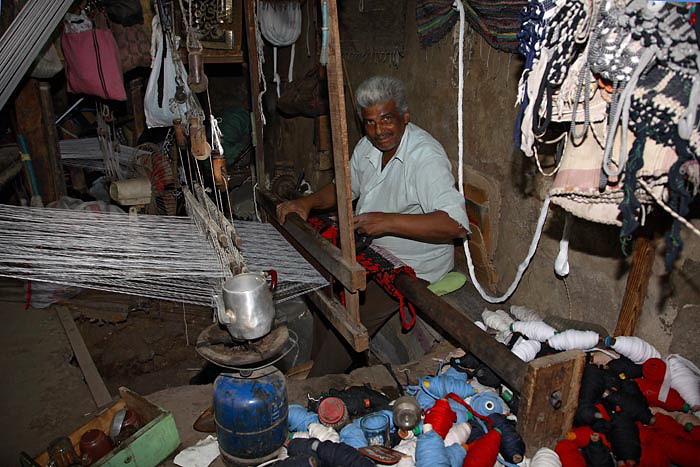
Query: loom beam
x=548, y=386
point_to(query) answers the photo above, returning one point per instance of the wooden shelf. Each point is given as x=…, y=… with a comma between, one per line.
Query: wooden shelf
x=217, y=56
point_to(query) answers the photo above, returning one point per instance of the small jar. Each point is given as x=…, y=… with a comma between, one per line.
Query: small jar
x=333, y=413
x=62, y=454
x=94, y=444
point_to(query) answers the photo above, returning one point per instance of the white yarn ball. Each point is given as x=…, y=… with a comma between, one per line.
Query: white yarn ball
x=323, y=432
x=545, y=457
x=458, y=434
x=498, y=320
x=636, y=349
x=407, y=447
x=574, y=339
x=685, y=378
x=537, y=330
x=526, y=350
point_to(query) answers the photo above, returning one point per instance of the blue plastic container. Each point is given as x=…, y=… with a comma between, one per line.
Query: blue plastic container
x=251, y=416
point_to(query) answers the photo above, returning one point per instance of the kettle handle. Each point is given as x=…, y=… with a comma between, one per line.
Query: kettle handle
x=272, y=274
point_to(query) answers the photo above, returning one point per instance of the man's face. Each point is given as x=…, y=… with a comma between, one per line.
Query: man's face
x=384, y=125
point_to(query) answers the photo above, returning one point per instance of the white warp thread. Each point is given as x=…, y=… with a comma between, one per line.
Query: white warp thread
x=526, y=350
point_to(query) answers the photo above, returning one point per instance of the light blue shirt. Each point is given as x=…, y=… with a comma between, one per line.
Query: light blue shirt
x=417, y=180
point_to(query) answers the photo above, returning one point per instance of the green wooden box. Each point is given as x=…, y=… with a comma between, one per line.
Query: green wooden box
x=150, y=445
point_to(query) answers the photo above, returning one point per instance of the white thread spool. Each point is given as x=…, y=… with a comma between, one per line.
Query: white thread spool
x=323, y=433
x=574, y=339
x=685, y=378
x=458, y=434
x=523, y=313
x=498, y=320
x=636, y=349
x=545, y=457
x=526, y=350
x=537, y=330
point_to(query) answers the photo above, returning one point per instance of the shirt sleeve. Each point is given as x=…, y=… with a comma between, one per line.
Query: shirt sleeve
x=355, y=174
x=435, y=186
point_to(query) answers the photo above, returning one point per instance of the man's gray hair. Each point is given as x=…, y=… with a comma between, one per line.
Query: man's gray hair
x=379, y=89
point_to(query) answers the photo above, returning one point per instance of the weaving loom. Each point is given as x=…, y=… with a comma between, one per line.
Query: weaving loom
x=162, y=257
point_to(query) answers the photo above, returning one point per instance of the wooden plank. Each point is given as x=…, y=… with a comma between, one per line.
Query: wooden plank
x=348, y=272
x=354, y=333
x=254, y=70
x=92, y=376
x=637, y=283
x=35, y=121
x=549, y=398
x=467, y=334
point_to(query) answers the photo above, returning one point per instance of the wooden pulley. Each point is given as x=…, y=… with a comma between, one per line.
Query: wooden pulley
x=218, y=164
x=196, y=79
x=198, y=139
x=180, y=134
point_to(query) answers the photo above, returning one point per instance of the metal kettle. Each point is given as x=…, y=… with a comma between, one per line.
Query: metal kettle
x=245, y=305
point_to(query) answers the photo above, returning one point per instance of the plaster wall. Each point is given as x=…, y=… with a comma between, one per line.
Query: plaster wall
x=594, y=289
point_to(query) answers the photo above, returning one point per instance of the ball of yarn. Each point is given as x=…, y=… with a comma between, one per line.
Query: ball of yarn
x=537, y=330
x=456, y=454
x=498, y=320
x=441, y=417
x=523, y=313
x=624, y=365
x=636, y=349
x=299, y=418
x=685, y=378
x=654, y=369
x=431, y=388
x=459, y=433
x=512, y=446
x=545, y=457
x=353, y=435
x=526, y=350
x=483, y=451
x=431, y=451
x=487, y=403
x=598, y=454
x=574, y=339
x=460, y=411
x=624, y=438
x=323, y=433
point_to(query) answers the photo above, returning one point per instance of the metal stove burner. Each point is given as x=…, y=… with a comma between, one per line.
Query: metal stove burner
x=216, y=345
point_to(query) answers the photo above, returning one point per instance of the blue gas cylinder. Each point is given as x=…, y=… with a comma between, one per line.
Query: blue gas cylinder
x=251, y=415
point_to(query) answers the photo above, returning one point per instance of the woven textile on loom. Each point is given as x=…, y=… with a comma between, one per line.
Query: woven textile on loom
x=372, y=30
x=497, y=21
x=380, y=264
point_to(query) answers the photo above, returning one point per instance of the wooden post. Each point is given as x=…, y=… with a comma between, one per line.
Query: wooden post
x=339, y=133
x=254, y=70
x=35, y=121
x=637, y=283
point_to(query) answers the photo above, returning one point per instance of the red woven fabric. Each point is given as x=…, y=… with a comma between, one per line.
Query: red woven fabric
x=378, y=268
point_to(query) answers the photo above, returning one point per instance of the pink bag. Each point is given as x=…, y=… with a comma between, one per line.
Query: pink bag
x=92, y=62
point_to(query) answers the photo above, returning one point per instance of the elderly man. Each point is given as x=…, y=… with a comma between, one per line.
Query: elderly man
x=406, y=200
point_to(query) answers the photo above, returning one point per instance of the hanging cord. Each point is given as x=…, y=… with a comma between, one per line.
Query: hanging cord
x=460, y=130
x=261, y=60
x=560, y=154
x=667, y=208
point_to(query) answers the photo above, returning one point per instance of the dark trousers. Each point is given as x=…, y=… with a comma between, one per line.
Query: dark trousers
x=330, y=353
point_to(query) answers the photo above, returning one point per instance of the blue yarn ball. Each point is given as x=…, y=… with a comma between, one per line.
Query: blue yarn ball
x=299, y=418
x=431, y=451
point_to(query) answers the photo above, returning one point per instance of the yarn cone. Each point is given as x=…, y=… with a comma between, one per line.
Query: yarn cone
x=483, y=451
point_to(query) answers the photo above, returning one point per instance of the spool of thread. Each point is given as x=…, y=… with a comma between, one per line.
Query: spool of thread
x=573, y=339
x=459, y=434
x=523, y=313
x=591, y=392
x=332, y=412
x=512, y=446
x=545, y=457
x=654, y=369
x=498, y=320
x=323, y=433
x=597, y=453
x=180, y=134
x=201, y=150
x=484, y=451
x=624, y=438
x=665, y=424
x=463, y=415
x=581, y=435
x=537, y=330
x=634, y=407
x=487, y=403
x=625, y=366
x=299, y=418
x=674, y=402
x=430, y=450
x=218, y=164
x=686, y=419
x=569, y=455
x=441, y=417
x=196, y=79
x=634, y=348
x=685, y=378
x=352, y=435
x=526, y=350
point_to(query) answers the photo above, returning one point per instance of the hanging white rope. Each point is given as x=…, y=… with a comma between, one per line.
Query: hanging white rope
x=280, y=24
x=25, y=38
x=460, y=130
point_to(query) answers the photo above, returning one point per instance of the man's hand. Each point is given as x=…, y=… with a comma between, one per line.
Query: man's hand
x=299, y=206
x=373, y=224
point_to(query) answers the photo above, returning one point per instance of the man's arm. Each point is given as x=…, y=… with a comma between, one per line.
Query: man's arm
x=434, y=227
x=325, y=198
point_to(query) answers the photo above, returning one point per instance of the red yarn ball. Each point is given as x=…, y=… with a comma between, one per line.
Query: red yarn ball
x=569, y=455
x=483, y=451
x=441, y=416
x=654, y=369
